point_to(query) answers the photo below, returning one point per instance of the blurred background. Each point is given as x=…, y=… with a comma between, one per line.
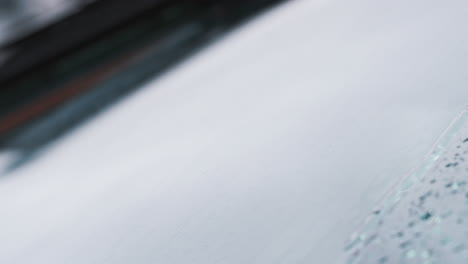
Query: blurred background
x=62, y=61
x=20, y=17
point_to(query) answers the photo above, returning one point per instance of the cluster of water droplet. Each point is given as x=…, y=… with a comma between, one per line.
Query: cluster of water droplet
x=425, y=222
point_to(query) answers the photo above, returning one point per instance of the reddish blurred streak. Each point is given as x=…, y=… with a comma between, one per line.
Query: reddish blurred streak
x=76, y=87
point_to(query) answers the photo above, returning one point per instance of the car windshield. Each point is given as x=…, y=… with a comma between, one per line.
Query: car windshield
x=239, y=132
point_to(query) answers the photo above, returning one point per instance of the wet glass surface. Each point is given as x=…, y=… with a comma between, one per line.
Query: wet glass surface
x=424, y=218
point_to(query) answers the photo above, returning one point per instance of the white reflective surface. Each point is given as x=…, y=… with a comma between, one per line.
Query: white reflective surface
x=268, y=147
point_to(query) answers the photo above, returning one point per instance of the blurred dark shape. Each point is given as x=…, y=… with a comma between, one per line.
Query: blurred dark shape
x=56, y=77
